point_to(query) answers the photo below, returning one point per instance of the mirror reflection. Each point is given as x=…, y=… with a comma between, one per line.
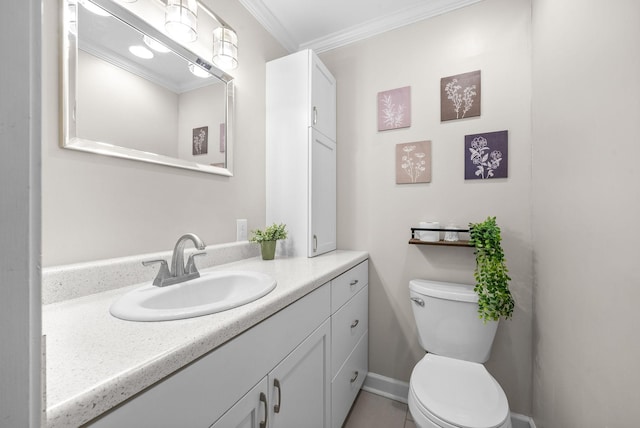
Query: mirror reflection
x=130, y=95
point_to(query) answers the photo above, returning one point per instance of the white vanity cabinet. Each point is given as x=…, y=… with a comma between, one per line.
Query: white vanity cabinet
x=301, y=153
x=251, y=411
x=349, y=339
x=301, y=367
x=300, y=386
x=288, y=346
x=294, y=394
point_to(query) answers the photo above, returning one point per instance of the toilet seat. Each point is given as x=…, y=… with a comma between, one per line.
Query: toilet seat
x=457, y=393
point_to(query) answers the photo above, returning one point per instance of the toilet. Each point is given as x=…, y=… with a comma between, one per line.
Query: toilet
x=449, y=387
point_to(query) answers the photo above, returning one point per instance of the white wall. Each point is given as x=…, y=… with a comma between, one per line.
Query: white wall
x=107, y=95
x=192, y=115
x=96, y=207
x=375, y=214
x=586, y=206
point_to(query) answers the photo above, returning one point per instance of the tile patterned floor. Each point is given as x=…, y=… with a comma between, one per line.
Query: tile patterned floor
x=373, y=411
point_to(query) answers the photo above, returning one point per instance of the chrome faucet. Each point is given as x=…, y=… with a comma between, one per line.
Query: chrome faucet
x=179, y=272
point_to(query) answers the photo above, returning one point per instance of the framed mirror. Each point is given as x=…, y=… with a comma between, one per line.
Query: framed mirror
x=131, y=91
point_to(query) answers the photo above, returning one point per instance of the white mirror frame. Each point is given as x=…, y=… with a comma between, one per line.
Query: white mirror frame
x=69, y=55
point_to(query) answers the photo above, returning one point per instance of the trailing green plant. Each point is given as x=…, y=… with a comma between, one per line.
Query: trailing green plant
x=492, y=281
x=271, y=233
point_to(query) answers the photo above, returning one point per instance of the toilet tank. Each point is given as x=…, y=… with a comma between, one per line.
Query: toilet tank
x=447, y=319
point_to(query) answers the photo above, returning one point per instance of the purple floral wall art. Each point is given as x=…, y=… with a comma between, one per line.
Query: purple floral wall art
x=394, y=109
x=413, y=162
x=460, y=96
x=486, y=155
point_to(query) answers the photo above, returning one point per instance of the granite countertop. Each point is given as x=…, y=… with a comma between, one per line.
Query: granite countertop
x=95, y=361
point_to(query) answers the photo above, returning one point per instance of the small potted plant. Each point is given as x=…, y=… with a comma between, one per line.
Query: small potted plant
x=492, y=282
x=267, y=239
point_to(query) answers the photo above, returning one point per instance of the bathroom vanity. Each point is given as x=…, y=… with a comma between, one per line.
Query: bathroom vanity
x=296, y=357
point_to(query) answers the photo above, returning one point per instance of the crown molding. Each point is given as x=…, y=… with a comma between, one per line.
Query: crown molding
x=406, y=16
x=268, y=20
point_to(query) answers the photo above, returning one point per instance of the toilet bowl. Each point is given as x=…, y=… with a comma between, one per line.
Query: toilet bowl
x=449, y=393
x=449, y=387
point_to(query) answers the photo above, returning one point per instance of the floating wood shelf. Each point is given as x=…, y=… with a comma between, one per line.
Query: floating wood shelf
x=459, y=243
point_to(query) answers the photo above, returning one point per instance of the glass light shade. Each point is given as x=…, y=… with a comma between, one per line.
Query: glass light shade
x=225, y=48
x=181, y=19
x=198, y=71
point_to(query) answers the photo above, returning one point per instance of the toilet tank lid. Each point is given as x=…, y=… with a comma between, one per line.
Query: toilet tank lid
x=444, y=290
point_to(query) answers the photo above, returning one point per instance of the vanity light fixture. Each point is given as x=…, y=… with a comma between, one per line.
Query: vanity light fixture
x=225, y=48
x=180, y=20
x=156, y=46
x=198, y=71
x=93, y=8
x=141, y=52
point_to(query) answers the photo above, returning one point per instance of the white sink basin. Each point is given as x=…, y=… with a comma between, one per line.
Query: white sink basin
x=212, y=292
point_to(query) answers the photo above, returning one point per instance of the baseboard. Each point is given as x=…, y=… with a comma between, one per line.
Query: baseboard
x=386, y=387
x=398, y=390
x=521, y=421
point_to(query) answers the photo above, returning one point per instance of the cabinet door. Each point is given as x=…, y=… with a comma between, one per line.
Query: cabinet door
x=250, y=412
x=299, y=387
x=322, y=194
x=323, y=98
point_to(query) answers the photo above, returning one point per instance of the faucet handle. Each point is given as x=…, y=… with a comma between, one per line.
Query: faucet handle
x=191, y=264
x=163, y=273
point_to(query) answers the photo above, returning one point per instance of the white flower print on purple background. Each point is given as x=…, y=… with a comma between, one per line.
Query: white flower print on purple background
x=486, y=155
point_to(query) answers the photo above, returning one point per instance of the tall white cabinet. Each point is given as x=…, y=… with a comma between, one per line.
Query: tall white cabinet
x=301, y=153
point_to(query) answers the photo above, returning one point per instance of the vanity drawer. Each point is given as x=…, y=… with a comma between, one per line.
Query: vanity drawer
x=347, y=327
x=348, y=284
x=348, y=381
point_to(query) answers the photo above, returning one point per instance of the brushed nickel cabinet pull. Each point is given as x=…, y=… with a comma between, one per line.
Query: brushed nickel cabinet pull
x=263, y=400
x=354, y=377
x=315, y=115
x=355, y=323
x=276, y=384
x=354, y=282
x=315, y=243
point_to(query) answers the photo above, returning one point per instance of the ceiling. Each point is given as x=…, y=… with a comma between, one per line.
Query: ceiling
x=327, y=24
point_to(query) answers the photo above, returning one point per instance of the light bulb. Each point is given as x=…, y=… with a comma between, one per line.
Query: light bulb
x=141, y=52
x=93, y=8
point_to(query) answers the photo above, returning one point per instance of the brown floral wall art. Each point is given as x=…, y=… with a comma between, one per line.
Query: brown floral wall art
x=460, y=96
x=413, y=162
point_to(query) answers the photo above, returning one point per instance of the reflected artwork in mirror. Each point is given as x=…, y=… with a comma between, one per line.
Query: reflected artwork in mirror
x=131, y=91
